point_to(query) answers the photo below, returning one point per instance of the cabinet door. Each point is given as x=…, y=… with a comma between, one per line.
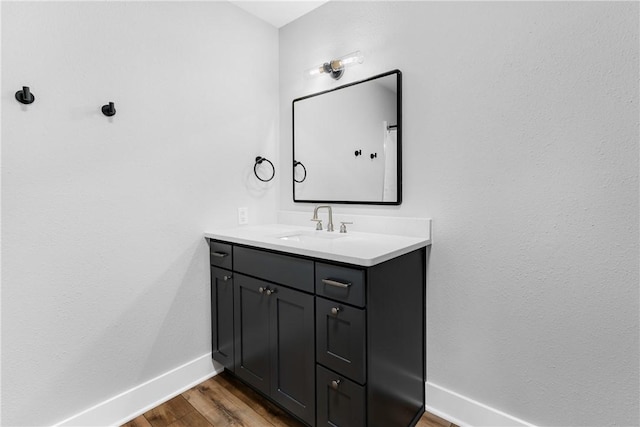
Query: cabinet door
x=292, y=351
x=222, y=317
x=252, y=331
x=341, y=403
x=341, y=338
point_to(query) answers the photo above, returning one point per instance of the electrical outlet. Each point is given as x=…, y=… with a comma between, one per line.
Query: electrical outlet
x=243, y=216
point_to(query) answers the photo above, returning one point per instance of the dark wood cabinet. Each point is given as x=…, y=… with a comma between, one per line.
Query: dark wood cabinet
x=341, y=338
x=396, y=352
x=292, y=352
x=222, y=338
x=334, y=344
x=341, y=402
x=252, y=332
x=274, y=345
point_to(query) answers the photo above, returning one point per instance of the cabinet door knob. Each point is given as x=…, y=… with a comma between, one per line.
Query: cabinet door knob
x=261, y=289
x=225, y=278
x=335, y=310
x=335, y=384
x=271, y=291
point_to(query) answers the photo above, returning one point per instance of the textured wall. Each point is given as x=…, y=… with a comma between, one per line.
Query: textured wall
x=104, y=267
x=521, y=142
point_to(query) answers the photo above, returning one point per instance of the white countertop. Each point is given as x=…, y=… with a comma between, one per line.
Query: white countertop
x=359, y=248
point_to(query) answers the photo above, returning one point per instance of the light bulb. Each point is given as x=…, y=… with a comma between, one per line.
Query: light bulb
x=352, y=58
x=314, y=71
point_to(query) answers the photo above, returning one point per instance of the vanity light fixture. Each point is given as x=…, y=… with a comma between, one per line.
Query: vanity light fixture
x=335, y=67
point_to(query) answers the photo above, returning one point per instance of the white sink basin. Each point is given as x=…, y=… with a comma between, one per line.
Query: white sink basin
x=310, y=236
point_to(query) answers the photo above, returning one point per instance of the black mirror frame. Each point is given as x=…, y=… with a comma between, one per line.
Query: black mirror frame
x=399, y=142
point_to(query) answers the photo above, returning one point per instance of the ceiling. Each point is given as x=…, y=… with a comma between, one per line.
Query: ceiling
x=278, y=13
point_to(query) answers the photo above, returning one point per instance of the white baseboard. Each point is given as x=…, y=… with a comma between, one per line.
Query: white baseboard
x=464, y=411
x=126, y=406
x=139, y=399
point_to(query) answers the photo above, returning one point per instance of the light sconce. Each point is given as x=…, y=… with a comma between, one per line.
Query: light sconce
x=335, y=67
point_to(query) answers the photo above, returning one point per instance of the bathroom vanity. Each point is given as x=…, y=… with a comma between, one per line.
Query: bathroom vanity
x=330, y=327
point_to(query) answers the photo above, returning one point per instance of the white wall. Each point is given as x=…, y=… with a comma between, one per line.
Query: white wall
x=104, y=267
x=521, y=142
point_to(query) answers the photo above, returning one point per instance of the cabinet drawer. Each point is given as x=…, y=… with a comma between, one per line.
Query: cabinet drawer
x=340, y=402
x=340, y=283
x=341, y=338
x=221, y=254
x=286, y=270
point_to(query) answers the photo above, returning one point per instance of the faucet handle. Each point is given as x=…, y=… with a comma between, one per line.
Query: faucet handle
x=343, y=226
x=319, y=221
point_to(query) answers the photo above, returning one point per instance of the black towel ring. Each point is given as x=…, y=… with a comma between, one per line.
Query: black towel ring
x=296, y=163
x=259, y=161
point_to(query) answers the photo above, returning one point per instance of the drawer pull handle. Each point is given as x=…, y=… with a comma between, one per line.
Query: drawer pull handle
x=335, y=310
x=271, y=291
x=219, y=254
x=335, y=384
x=225, y=278
x=261, y=289
x=336, y=283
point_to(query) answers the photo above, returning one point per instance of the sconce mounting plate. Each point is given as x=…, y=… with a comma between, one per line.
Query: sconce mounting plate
x=335, y=73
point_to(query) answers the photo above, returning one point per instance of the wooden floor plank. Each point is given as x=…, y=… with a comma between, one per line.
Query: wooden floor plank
x=214, y=412
x=224, y=401
x=169, y=412
x=257, y=402
x=192, y=419
x=430, y=420
x=221, y=408
x=141, y=421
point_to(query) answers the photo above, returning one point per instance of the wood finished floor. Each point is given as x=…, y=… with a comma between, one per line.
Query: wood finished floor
x=223, y=401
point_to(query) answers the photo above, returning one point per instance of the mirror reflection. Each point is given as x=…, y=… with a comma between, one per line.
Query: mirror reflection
x=347, y=143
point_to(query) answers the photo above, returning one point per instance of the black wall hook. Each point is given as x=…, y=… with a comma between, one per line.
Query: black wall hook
x=373, y=155
x=25, y=96
x=258, y=162
x=358, y=153
x=109, y=109
x=297, y=163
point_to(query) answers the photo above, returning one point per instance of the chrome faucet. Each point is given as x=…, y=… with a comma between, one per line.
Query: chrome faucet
x=319, y=221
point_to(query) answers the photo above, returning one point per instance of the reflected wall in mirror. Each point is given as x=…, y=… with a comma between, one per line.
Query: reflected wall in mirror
x=347, y=143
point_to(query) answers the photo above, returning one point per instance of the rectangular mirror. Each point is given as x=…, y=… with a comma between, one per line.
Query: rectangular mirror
x=347, y=143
